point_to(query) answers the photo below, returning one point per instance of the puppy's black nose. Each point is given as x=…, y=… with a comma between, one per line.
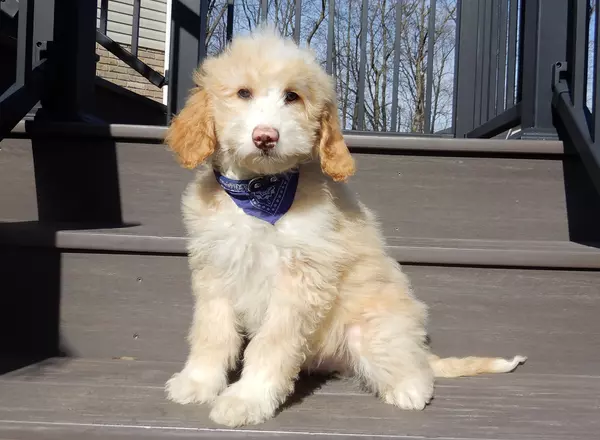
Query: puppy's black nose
x=265, y=137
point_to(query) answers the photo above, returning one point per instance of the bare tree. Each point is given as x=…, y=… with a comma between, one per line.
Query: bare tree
x=380, y=31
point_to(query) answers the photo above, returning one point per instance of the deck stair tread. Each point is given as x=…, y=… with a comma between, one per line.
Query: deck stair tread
x=143, y=239
x=125, y=397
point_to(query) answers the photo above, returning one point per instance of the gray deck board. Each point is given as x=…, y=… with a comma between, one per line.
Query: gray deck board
x=409, y=250
x=126, y=398
x=415, y=195
x=141, y=306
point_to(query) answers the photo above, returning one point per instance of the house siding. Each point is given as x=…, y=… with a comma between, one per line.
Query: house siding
x=151, y=47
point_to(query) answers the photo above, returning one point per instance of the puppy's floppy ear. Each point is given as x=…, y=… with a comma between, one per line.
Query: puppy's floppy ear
x=336, y=160
x=191, y=135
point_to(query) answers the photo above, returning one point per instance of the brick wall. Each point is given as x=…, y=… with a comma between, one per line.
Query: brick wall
x=116, y=71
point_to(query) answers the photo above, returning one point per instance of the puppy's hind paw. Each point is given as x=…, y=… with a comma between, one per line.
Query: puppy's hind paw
x=411, y=394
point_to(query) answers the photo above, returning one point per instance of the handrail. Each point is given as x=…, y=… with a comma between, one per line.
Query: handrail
x=131, y=60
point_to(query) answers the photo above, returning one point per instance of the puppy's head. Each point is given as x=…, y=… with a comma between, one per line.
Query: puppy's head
x=264, y=105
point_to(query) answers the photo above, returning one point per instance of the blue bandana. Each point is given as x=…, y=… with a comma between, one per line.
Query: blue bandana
x=267, y=197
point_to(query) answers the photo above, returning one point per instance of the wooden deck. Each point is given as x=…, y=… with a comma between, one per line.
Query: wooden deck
x=137, y=308
x=503, y=245
x=66, y=399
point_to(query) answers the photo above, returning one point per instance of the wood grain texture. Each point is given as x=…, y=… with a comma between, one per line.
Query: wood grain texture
x=141, y=306
x=414, y=195
x=122, y=398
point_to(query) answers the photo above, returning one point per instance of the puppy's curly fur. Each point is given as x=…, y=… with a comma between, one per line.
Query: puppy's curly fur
x=317, y=288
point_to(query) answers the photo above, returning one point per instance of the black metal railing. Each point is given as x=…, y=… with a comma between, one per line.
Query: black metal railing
x=464, y=68
x=576, y=84
x=128, y=57
x=489, y=67
x=27, y=68
x=393, y=61
x=504, y=66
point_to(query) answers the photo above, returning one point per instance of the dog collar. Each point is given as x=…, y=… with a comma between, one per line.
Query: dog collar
x=267, y=198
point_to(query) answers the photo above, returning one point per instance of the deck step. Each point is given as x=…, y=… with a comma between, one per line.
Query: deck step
x=106, y=304
x=66, y=398
x=449, y=194
x=464, y=252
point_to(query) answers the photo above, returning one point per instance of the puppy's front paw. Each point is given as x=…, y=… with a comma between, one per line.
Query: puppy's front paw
x=188, y=387
x=236, y=408
x=413, y=393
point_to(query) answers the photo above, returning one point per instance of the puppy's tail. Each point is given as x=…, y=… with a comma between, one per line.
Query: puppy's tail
x=472, y=366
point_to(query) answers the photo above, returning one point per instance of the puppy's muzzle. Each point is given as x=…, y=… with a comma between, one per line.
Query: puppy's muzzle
x=265, y=138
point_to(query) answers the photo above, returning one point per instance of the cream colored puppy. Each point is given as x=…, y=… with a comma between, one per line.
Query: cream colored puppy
x=281, y=251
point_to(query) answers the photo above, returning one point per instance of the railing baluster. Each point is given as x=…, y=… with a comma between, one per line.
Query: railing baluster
x=264, y=6
x=511, y=67
x=396, y=73
x=297, y=22
x=24, y=42
x=454, y=107
x=429, y=80
x=500, y=84
x=362, y=68
x=486, y=62
x=521, y=52
x=596, y=89
x=230, y=11
x=494, y=64
x=479, y=73
x=330, y=36
x=104, y=16
x=578, y=52
x=203, y=27
x=467, y=64
x=586, y=79
x=135, y=27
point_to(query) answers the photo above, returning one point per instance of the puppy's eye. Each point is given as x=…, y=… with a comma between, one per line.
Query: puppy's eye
x=244, y=93
x=291, y=97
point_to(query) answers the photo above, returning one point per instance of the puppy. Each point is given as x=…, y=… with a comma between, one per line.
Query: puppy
x=281, y=251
